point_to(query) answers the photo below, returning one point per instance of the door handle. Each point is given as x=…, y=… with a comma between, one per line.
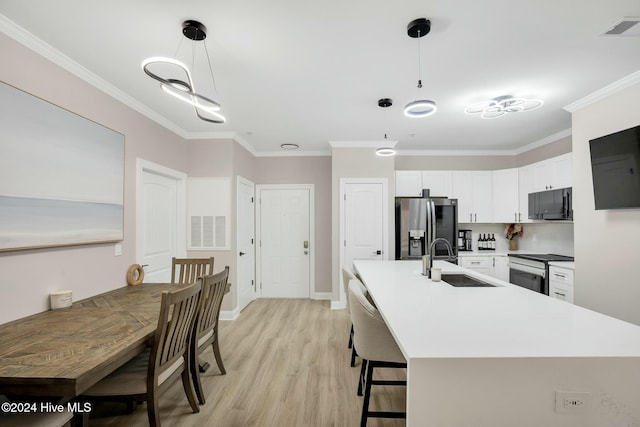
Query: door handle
x=306, y=252
x=242, y=253
x=305, y=244
x=378, y=252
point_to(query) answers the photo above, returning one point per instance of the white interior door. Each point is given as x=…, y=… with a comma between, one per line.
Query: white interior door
x=363, y=222
x=245, y=276
x=160, y=205
x=285, y=238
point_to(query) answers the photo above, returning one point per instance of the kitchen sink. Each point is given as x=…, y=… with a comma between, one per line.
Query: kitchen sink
x=464, y=281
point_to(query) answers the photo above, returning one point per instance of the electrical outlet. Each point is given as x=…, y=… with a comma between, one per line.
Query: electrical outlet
x=117, y=251
x=576, y=402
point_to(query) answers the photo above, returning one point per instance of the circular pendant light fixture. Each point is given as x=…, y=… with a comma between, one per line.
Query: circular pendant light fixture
x=417, y=29
x=386, y=150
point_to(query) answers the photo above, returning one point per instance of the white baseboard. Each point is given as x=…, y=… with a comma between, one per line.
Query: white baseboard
x=338, y=305
x=321, y=295
x=229, y=314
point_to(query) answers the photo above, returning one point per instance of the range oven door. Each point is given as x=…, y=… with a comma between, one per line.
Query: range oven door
x=527, y=277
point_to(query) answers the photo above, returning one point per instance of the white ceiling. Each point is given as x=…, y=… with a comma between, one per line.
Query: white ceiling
x=296, y=71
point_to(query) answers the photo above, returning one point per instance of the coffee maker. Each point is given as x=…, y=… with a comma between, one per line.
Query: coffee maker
x=464, y=240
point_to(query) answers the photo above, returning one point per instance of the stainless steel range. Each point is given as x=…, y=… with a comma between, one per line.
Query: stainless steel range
x=531, y=271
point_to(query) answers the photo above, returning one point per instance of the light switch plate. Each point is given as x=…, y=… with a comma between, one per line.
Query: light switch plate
x=117, y=251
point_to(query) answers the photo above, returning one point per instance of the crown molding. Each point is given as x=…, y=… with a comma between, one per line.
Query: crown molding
x=47, y=51
x=606, y=91
x=539, y=143
x=544, y=141
x=363, y=144
x=458, y=153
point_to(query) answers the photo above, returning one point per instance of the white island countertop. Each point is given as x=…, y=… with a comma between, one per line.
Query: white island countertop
x=504, y=356
x=435, y=320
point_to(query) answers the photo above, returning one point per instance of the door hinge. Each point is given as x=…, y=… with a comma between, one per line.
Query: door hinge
x=345, y=197
x=252, y=241
x=345, y=243
x=252, y=200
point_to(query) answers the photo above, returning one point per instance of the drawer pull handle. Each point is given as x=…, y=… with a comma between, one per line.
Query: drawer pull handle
x=558, y=293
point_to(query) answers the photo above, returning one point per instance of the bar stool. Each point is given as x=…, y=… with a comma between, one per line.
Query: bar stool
x=375, y=344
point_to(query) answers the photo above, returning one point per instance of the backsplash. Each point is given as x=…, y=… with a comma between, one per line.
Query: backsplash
x=541, y=237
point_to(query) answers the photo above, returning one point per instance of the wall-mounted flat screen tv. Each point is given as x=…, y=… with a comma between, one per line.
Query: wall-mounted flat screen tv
x=615, y=166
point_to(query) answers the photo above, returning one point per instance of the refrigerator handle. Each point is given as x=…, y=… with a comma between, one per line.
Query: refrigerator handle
x=428, y=239
x=433, y=221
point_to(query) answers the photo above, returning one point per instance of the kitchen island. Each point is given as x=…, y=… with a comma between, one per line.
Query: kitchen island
x=497, y=356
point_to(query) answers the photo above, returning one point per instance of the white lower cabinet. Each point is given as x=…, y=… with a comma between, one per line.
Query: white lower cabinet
x=491, y=265
x=501, y=267
x=561, y=283
x=481, y=264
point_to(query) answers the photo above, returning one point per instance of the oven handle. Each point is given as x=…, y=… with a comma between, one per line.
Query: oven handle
x=527, y=269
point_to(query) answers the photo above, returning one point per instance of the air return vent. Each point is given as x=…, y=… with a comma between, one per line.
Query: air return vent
x=629, y=26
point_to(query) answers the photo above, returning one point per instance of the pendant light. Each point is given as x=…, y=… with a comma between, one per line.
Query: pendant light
x=386, y=150
x=177, y=80
x=417, y=29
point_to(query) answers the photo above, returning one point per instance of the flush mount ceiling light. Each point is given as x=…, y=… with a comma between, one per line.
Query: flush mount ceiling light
x=417, y=29
x=176, y=79
x=289, y=146
x=502, y=105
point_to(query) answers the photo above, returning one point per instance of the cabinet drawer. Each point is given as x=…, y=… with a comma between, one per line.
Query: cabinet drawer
x=561, y=291
x=560, y=275
x=476, y=262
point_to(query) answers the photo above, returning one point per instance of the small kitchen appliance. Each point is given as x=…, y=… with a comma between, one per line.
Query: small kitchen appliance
x=464, y=240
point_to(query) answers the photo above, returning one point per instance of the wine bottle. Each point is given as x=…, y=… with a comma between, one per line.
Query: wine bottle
x=493, y=241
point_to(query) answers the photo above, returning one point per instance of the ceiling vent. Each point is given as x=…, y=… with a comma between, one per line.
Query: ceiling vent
x=629, y=26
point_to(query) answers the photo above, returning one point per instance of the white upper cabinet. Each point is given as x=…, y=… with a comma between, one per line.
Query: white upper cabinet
x=473, y=191
x=525, y=186
x=440, y=183
x=505, y=195
x=490, y=196
x=553, y=173
x=409, y=183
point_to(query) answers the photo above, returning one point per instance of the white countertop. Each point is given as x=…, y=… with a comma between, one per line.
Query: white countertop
x=435, y=320
x=564, y=264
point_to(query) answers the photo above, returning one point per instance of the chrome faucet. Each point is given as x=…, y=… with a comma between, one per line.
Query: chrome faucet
x=431, y=252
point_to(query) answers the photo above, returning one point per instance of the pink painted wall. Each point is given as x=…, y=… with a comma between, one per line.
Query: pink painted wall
x=307, y=170
x=27, y=277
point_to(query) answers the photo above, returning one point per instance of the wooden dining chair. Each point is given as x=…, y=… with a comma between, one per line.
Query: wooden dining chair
x=149, y=373
x=374, y=342
x=187, y=270
x=214, y=287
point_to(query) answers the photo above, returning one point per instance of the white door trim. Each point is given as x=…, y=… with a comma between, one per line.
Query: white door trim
x=342, y=302
x=241, y=180
x=312, y=233
x=143, y=166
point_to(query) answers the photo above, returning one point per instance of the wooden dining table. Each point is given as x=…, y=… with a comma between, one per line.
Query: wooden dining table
x=59, y=354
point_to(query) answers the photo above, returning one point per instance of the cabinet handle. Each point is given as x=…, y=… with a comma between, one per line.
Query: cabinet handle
x=494, y=262
x=475, y=262
x=515, y=217
x=559, y=294
x=470, y=217
x=519, y=217
x=560, y=275
x=475, y=216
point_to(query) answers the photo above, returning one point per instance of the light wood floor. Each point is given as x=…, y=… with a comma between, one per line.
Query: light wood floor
x=287, y=364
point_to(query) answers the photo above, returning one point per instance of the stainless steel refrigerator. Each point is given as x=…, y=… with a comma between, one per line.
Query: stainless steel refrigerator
x=421, y=220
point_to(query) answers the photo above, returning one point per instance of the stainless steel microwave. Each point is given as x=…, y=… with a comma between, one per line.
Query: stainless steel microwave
x=551, y=204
